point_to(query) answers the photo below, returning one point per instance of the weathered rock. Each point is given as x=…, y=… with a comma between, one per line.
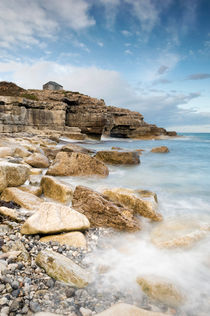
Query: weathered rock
x=76, y=148
x=130, y=199
x=118, y=157
x=35, y=171
x=31, y=189
x=6, y=151
x=54, y=218
x=77, y=164
x=12, y=175
x=22, y=152
x=162, y=149
x=8, y=212
x=37, y=160
x=147, y=194
x=63, y=110
x=161, y=290
x=56, y=190
x=16, y=247
x=101, y=212
x=25, y=199
x=62, y=269
x=123, y=309
x=73, y=239
x=181, y=232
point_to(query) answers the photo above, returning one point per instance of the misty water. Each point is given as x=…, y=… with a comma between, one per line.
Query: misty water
x=181, y=180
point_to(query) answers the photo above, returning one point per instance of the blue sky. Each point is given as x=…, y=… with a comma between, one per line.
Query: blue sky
x=151, y=56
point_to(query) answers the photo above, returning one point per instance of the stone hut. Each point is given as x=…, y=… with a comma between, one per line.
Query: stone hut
x=51, y=85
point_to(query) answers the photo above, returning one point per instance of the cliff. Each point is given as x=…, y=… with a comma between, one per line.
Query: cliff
x=21, y=110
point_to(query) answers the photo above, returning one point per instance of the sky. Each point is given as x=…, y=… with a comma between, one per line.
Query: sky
x=151, y=56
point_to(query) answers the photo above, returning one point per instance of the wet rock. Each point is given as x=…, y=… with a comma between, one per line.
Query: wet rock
x=12, y=175
x=37, y=160
x=36, y=190
x=131, y=199
x=118, y=157
x=77, y=164
x=161, y=290
x=62, y=269
x=181, y=232
x=25, y=199
x=74, y=239
x=101, y=212
x=161, y=149
x=56, y=190
x=10, y=204
x=54, y=218
x=123, y=309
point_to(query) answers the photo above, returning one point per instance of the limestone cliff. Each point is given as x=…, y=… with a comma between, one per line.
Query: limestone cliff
x=22, y=109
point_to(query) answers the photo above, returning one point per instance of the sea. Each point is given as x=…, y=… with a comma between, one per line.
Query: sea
x=181, y=180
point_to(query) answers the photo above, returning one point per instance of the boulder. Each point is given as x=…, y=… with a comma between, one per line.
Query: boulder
x=12, y=175
x=77, y=164
x=21, y=151
x=56, y=190
x=181, y=232
x=161, y=149
x=62, y=268
x=54, y=218
x=147, y=194
x=103, y=213
x=118, y=157
x=73, y=239
x=35, y=171
x=8, y=212
x=36, y=190
x=131, y=199
x=6, y=151
x=76, y=148
x=161, y=290
x=25, y=199
x=122, y=309
x=37, y=160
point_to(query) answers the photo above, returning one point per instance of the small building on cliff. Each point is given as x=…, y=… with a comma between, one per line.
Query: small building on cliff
x=51, y=85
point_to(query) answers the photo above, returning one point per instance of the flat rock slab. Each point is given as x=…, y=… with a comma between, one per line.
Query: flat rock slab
x=77, y=164
x=53, y=218
x=160, y=150
x=73, y=239
x=118, y=157
x=24, y=199
x=102, y=212
x=123, y=309
x=56, y=190
x=62, y=268
x=8, y=212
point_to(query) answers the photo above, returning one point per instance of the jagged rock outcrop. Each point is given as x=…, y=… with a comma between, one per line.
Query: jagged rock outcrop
x=22, y=110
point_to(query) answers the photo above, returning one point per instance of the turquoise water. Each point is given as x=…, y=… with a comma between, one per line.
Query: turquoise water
x=181, y=179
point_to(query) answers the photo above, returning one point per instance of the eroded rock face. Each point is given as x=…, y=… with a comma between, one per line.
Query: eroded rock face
x=161, y=150
x=118, y=157
x=101, y=212
x=62, y=268
x=37, y=160
x=22, y=110
x=73, y=239
x=123, y=309
x=12, y=174
x=53, y=218
x=56, y=190
x=131, y=199
x=25, y=199
x=161, y=290
x=77, y=164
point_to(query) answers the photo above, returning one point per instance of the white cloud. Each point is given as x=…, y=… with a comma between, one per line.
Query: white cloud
x=126, y=33
x=111, y=10
x=128, y=52
x=101, y=44
x=24, y=22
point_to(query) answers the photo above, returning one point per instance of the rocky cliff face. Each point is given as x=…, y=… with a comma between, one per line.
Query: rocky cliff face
x=22, y=109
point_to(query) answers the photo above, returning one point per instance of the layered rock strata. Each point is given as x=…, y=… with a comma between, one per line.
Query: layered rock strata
x=22, y=110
